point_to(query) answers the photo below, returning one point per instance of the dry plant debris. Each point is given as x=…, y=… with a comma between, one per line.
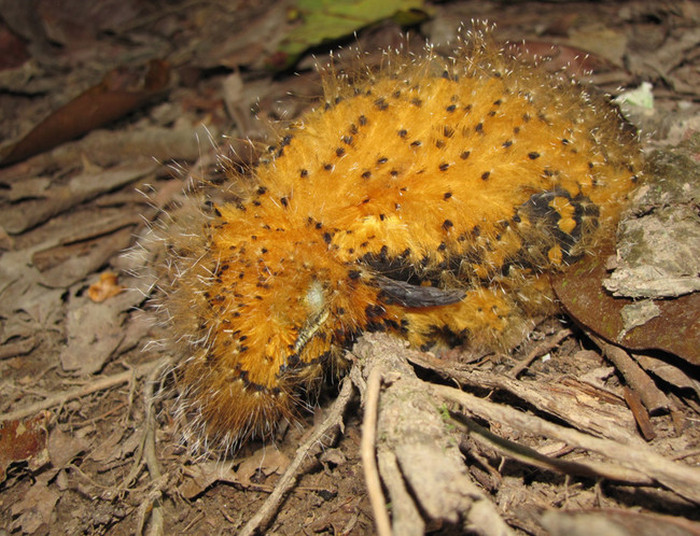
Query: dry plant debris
x=559, y=437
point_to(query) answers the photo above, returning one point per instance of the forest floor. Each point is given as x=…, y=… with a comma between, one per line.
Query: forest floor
x=579, y=439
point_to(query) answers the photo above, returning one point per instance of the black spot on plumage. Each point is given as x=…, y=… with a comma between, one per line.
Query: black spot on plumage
x=447, y=225
x=402, y=133
x=465, y=155
x=293, y=360
x=339, y=152
x=444, y=166
x=534, y=155
x=451, y=108
x=374, y=311
x=376, y=327
x=304, y=173
x=366, y=174
x=485, y=175
x=381, y=104
x=447, y=195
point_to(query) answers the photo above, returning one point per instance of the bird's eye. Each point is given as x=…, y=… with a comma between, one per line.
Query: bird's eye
x=315, y=298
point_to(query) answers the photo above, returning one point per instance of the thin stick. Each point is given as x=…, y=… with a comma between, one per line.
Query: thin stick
x=539, y=350
x=367, y=451
x=93, y=387
x=335, y=418
x=149, y=453
x=652, y=397
x=682, y=479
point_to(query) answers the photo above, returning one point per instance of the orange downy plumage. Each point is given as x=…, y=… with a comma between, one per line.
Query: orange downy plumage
x=430, y=199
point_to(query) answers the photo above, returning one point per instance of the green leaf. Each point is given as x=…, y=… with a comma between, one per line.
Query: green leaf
x=328, y=20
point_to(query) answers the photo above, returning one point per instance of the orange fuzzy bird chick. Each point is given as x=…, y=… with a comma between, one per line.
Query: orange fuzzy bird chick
x=431, y=199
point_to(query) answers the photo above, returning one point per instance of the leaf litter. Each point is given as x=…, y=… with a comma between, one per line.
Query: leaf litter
x=493, y=455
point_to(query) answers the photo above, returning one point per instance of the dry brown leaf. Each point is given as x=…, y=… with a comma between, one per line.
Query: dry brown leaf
x=267, y=460
x=105, y=288
x=120, y=92
x=63, y=447
x=36, y=507
x=202, y=475
x=24, y=441
x=676, y=329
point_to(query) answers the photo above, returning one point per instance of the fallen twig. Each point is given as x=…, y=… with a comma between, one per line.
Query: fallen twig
x=333, y=420
x=153, y=502
x=420, y=462
x=585, y=468
x=652, y=397
x=369, y=460
x=682, y=479
x=538, y=351
x=100, y=384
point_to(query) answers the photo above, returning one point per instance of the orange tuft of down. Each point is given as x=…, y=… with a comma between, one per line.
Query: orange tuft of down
x=430, y=199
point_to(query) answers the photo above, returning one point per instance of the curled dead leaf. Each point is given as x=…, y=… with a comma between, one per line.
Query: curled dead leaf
x=105, y=288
